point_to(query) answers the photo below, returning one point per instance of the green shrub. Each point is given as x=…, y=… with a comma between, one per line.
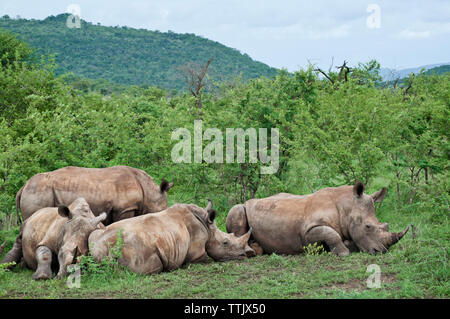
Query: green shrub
x=108, y=265
x=314, y=249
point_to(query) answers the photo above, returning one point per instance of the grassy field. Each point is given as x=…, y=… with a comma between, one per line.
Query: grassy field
x=416, y=267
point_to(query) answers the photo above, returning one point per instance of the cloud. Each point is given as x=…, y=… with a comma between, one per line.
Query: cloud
x=305, y=31
x=283, y=33
x=409, y=34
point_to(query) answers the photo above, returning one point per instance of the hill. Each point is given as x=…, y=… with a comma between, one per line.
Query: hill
x=131, y=56
x=392, y=74
x=439, y=69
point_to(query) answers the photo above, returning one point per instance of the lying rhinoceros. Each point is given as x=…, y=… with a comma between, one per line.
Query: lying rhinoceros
x=61, y=232
x=120, y=191
x=166, y=240
x=342, y=218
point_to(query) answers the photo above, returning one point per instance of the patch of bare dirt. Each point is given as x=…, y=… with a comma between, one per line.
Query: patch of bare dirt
x=360, y=284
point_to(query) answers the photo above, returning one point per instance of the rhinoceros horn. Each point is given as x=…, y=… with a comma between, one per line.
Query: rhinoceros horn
x=97, y=220
x=244, y=238
x=395, y=237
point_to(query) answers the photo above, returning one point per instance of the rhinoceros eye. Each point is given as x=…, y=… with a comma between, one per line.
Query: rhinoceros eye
x=368, y=226
x=226, y=242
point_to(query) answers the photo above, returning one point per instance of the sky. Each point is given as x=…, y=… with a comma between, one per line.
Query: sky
x=283, y=33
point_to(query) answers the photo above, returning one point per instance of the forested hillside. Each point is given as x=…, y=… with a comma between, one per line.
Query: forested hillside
x=439, y=69
x=389, y=74
x=131, y=56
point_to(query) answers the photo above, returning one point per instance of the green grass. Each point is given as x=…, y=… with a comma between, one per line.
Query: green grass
x=417, y=267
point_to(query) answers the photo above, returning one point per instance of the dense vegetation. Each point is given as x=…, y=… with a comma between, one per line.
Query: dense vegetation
x=331, y=133
x=131, y=56
x=439, y=69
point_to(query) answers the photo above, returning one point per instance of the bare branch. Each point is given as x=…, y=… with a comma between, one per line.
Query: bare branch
x=194, y=77
x=344, y=71
x=326, y=75
x=406, y=92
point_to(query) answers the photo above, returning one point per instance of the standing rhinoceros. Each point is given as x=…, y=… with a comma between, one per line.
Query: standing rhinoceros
x=338, y=217
x=57, y=231
x=120, y=191
x=166, y=240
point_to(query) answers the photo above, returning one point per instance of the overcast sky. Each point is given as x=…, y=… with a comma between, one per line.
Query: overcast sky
x=283, y=33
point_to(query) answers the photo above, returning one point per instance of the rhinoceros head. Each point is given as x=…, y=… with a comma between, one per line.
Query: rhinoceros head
x=223, y=246
x=364, y=228
x=73, y=235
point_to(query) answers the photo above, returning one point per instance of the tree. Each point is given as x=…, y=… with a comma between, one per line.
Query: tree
x=13, y=52
x=194, y=76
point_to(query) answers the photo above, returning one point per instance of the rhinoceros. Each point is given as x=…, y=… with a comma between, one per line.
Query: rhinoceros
x=341, y=218
x=57, y=231
x=120, y=191
x=183, y=233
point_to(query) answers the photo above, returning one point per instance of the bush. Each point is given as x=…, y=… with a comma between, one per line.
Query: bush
x=314, y=249
x=108, y=265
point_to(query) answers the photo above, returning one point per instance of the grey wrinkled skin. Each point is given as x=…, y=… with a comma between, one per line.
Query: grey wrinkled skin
x=166, y=240
x=120, y=191
x=56, y=231
x=342, y=218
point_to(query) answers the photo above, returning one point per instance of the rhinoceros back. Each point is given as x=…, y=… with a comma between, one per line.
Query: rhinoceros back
x=105, y=189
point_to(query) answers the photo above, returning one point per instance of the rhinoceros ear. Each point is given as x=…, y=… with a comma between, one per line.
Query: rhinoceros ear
x=379, y=196
x=209, y=206
x=358, y=189
x=64, y=211
x=165, y=186
x=211, y=215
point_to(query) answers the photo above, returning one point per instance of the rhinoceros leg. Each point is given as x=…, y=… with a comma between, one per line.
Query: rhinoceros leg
x=330, y=237
x=151, y=265
x=44, y=261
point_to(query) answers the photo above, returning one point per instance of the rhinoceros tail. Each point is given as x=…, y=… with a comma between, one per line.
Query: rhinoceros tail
x=18, y=196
